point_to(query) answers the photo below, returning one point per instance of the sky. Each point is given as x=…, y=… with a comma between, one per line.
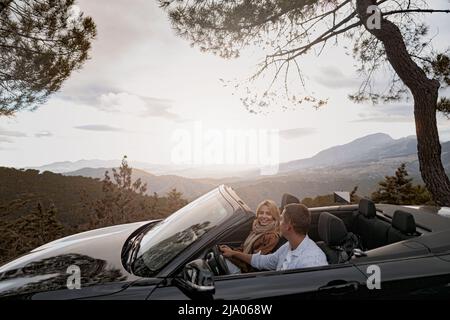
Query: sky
x=148, y=94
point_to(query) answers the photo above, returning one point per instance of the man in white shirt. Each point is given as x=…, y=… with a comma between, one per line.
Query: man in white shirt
x=298, y=252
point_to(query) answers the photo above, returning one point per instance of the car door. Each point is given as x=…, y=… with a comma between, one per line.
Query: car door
x=419, y=277
x=410, y=269
x=331, y=282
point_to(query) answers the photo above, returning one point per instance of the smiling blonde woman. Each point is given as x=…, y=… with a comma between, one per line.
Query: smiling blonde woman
x=264, y=235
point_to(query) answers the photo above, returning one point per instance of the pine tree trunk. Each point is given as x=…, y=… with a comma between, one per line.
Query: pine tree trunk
x=425, y=94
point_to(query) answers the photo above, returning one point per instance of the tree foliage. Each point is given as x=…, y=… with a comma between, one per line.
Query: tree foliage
x=28, y=202
x=29, y=231
x=41, y=43
x=399, y=189
x=175, y=200
x=319, y=201
x=119, y=203
x=288, y=29
x=126, y=201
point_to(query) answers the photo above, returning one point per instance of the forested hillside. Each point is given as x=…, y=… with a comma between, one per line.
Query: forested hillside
x=38, y=208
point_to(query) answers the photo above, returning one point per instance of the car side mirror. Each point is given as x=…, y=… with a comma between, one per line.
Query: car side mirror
x=196, y=279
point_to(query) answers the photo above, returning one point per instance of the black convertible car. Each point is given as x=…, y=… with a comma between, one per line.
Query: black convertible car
x=404, y=253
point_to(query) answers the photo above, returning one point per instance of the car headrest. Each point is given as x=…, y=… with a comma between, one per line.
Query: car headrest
x=332, y=230
x=404, y=222
x=367, y=208
x=288, y=199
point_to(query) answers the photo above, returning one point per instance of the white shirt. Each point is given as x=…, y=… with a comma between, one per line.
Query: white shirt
x=307, y=254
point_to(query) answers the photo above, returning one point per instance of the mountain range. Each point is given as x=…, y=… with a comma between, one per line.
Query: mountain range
x=374, y=147
x=362, y=162
x=161, y=184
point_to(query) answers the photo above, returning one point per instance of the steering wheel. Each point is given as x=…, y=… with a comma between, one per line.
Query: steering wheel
x=217, y=261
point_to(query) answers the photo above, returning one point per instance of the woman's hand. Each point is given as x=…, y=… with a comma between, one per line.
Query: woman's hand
x=227, y=252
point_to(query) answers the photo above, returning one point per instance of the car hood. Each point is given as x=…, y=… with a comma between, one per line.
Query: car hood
x=92, y=259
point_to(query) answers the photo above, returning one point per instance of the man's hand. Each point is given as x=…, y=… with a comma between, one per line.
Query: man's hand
x=227, y=252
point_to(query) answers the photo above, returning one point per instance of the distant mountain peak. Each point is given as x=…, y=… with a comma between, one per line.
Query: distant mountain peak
x=371, y=147
x=375, y=137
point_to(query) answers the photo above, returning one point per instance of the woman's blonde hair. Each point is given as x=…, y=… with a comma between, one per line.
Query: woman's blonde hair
x=273, y=209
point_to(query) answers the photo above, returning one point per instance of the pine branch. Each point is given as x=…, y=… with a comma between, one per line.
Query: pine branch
x=414, y=11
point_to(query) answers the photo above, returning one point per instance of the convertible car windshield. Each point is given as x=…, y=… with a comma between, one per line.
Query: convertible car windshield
x=178, y=231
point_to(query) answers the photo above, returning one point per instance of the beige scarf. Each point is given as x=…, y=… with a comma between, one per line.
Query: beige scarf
x=257, y=232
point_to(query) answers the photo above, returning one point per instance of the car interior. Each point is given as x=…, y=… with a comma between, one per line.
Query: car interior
x=342, y=232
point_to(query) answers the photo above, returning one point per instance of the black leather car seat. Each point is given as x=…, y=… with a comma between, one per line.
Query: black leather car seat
x=288, y=199
x=403, y=227
x=337, y=243
x=372, y=230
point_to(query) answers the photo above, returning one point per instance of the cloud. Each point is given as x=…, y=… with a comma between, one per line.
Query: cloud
x=43, y=134
x=386, y=119
x=7, y=149
x=117, y=101
x=4, y=139
x=297, y=132
x=393, y=113
x=138, y=105
x=160, y=108
x=125, y=50
x=405, y=110
x=99, y=127
x=84, y=94
x=130, y=27
x=334, y=78
x=8, y=133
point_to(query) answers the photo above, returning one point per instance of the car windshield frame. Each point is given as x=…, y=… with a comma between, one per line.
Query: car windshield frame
x=170, y=237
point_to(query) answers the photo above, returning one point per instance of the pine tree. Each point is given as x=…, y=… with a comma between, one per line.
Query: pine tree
x=123, y=200
x=47, y=227
x=422, y=196
x=175, y=200
x=123, y=179
x=42, y=42
x=155, y=203
x=398, y=189
x=27, y=232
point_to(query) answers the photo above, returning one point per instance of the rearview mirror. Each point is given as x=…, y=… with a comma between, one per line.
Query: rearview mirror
x=196, y=279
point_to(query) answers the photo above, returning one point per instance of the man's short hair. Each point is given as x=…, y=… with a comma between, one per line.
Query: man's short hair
x=298, y=216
